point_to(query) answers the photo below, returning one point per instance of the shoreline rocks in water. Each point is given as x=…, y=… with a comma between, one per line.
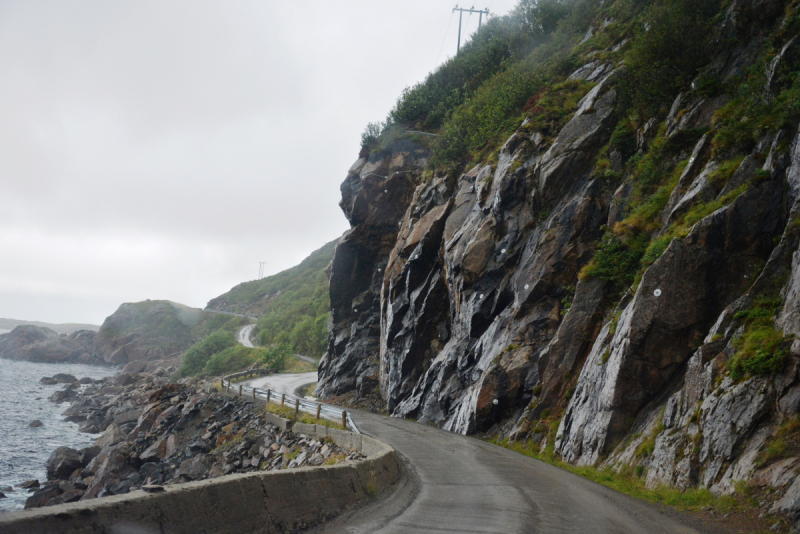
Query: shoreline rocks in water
x=61, y=378
x=159, y=433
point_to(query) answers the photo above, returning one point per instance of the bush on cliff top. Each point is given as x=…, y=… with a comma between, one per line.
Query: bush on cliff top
x=500, y=42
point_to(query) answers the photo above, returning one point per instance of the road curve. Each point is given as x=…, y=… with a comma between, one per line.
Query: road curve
x=308, y=359
x=244, y=339
x=464, y=485
x=283, y=383
x=244, y=336
x=458, y=484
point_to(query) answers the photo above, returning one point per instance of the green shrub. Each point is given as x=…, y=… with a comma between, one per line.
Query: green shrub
x=724, y=172
x=761, y=349
x=369, y=137
x=198, y=355
x=752, y=112
x=672, y=43
x=275, y=356
x=762, y=310
x=623, y=139
x=784, y=444
x=759, y=352
x=616, y=261
x=293, y=305
x=655, y=249
x=501, y=42
x=231, y=360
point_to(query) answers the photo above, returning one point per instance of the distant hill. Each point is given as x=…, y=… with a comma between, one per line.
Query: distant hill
x=153, y=333
x=292, y=306
x=64, y=328
x=157, y=330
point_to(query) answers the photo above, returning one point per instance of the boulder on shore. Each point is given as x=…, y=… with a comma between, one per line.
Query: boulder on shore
x=63, y=462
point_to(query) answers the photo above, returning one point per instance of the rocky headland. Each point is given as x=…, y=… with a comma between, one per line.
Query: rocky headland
x=152, y=334
x=41, y=344
x=155, y=432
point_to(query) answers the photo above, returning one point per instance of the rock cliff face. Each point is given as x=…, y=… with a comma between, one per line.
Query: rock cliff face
x=466, y=300
x=460, y=285
x=375, y=197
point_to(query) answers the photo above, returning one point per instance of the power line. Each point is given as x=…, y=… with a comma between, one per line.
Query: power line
x=445, y=39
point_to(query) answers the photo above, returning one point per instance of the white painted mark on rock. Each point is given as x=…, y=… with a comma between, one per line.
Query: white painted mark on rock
x=657, y=292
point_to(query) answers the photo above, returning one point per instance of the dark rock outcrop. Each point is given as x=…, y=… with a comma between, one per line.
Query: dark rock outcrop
x=375, y=196
x=483, y=307
x=63, y=462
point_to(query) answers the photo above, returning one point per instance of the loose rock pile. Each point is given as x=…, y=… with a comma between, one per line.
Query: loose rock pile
x=159, y=433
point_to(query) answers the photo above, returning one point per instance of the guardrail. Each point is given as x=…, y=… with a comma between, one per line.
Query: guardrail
x=325, y=411
x=231, y=313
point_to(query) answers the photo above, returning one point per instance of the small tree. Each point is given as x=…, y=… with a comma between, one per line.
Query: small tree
x=275, y=356
x=369, y=138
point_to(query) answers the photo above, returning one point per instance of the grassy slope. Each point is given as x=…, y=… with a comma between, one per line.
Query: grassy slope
x=292, y=306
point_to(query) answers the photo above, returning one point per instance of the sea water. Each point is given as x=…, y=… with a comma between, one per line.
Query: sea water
x=24, y=450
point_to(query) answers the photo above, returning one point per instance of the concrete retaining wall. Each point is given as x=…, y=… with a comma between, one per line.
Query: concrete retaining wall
x=280, y=422
x=277, y=501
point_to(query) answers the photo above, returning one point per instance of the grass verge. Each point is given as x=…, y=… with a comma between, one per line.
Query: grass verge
x=293, y=364
x=628, y=483
x=287, y=412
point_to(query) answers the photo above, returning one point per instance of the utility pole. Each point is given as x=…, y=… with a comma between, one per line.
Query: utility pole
x=261, y=265
x=480, y=12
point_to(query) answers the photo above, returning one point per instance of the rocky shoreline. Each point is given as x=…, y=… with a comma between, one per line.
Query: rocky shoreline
x=160, y=433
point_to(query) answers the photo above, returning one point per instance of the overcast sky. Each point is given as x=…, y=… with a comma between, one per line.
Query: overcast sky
x=161, y=149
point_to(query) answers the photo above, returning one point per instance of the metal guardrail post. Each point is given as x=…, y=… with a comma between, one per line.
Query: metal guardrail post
x=269, y=394
x=283, y=399
x=344, y=419
x=296, y=407
x=240, y=390
x=254, y=393
x=319, y=409
x=229, y=387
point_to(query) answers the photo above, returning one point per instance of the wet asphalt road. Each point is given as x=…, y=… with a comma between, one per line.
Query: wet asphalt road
x=459, y=484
